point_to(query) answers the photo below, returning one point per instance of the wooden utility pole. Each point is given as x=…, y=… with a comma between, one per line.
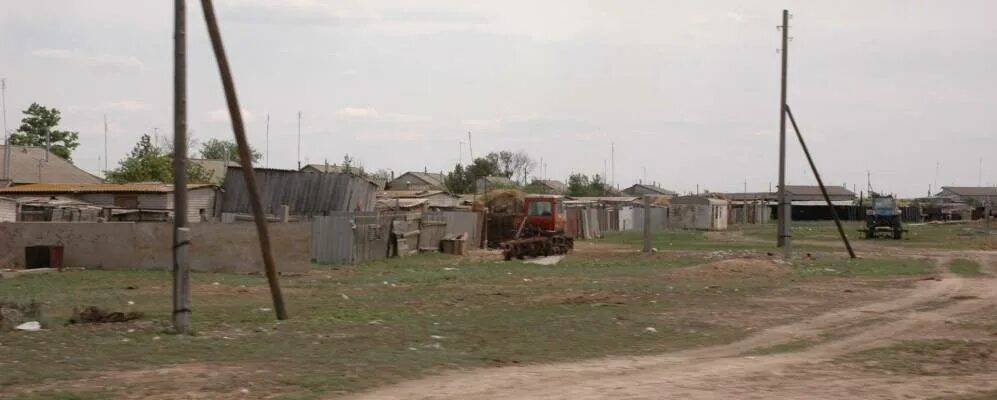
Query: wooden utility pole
x=647, y=223
x=245, y=158
x=783, y=210
x=181, y=233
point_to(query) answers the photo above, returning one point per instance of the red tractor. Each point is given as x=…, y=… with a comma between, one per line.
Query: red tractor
x=540, y=229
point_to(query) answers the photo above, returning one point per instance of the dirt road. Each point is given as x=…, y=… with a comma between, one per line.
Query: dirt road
x=737, y=371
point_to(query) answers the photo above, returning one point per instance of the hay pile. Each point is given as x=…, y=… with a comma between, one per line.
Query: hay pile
x=501, y=201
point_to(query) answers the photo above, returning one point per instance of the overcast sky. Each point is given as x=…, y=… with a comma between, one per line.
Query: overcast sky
x=688, y=91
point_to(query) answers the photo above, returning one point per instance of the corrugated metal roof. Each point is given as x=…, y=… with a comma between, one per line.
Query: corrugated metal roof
x=215, y=168
x=401, y=194
x=429, y=178
x=649, y=188
x=97, y=188
x=971, y=190
x=28, y=165
x=815, y=190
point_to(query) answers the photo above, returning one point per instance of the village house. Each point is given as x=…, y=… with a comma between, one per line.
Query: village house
x=119, y=200
x=549, y=186
x=640, y=189
x=30, y=164
x=417, y=181
x=698, y=212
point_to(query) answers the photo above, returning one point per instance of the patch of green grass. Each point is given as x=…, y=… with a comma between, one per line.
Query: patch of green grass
x=683, y=240
x=786, y=347
x=940, y=236
x=965, y=267
x=360, y=326
x=873, y=267
x=57, y=396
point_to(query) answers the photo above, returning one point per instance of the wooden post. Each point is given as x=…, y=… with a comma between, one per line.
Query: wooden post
x=181, y=234
x=245, y=158
x=820, y=182
x=647, y=223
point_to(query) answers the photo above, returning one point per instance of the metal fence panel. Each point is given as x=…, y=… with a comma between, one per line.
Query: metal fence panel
x=468, y=222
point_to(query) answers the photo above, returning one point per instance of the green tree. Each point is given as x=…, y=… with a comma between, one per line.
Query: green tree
x=579, y=185
x=149, y=163
x=456, y=180
x=39, y=126
x=216, y=149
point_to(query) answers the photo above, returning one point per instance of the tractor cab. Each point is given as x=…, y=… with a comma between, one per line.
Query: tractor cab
x=545, y=212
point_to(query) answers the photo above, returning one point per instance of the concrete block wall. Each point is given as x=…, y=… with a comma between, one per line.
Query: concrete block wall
x=121, y=245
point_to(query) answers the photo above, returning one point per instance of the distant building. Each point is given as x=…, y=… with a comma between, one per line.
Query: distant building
x=548, y=186
x=812, y=193
x=118, y=198
x=381, y=182
x=417, y=181
x=215, y=169
x=640, y=189
x=698, y=212
x=976, y=196
x=28, y=165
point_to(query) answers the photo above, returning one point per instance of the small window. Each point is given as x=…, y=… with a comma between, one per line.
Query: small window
x=540, y=208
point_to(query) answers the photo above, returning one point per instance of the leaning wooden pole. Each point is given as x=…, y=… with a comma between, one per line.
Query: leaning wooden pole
x=820, y=182
x=181, y=233
x=245, y=158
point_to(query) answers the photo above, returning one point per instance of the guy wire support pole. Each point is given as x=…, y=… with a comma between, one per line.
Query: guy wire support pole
x=245, y=158
x=181, y=233
x=783, y=211
x=820, y=182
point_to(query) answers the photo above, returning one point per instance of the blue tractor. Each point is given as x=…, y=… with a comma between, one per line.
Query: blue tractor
x=883, y=217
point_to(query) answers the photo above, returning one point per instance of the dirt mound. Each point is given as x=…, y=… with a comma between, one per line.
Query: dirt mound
x=735, y=268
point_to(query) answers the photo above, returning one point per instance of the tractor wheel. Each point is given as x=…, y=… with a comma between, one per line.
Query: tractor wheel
x=898, y=234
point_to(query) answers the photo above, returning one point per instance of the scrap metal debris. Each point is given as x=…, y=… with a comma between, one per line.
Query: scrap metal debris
x=95, y=315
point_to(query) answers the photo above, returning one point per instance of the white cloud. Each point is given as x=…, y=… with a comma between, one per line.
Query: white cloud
x=127, y=105
x=358, y=113
x=221, y=115
x=371, y=113
x=735, y=16
x=96, y=60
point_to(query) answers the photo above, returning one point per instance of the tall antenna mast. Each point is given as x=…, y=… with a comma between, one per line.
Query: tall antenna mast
x=105, y=143
x=470, y=149
x=299, y=139
x=938, y=165
x=266, y=149
x=6, y=137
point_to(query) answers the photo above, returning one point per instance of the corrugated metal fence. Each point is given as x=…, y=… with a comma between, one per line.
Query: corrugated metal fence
x=307, y=194
x=355, y=238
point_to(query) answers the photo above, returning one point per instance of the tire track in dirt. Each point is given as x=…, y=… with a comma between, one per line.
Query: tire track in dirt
x=723, y=372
